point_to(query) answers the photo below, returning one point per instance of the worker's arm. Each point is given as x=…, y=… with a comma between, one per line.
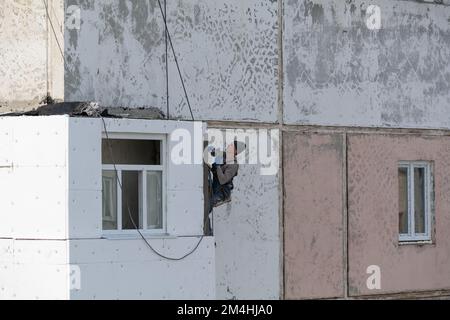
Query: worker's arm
x=225, y=175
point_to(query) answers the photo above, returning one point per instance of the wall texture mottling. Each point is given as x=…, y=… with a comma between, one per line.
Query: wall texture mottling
x=338, y=72
x=227, y=51
x=23, y=54
x=55, y=52
x=313, y=215
x=373, y=214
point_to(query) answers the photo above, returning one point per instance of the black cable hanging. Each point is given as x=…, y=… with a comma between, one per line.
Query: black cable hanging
x=129, y=211
x=54, y=31
x=176, y=59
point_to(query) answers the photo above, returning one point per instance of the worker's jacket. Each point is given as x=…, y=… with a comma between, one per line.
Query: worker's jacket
x=224, y=175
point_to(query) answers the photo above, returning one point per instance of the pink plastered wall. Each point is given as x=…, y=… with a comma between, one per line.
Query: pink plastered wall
x=373, y=214
x=313, y=207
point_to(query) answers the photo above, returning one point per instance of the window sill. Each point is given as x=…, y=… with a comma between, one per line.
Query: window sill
x=415, y=242
x=135, y=235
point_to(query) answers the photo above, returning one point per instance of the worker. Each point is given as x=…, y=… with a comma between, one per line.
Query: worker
x=224, y=170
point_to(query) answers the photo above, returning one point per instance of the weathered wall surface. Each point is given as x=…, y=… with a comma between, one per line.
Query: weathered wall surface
x=373, y=214
x=227, y=51
x=338, y=72
x=313, y=215
x=23, y=53
x=55, y=51
x=247, y=237
x=30, y=62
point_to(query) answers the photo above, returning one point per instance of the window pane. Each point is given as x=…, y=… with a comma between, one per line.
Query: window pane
x=130, y=199
x=137, y=152
x=109, y=200
x=154, y=200
x=419, y=200
x=403, y=200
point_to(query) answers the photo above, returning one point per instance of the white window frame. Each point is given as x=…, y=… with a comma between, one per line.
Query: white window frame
x=411, y=236
x=143, y=182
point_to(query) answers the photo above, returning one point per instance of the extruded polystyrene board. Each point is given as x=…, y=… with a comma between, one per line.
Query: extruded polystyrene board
x=6, y=158
x=185, y=177
x=137, y=275
x=40, y=282
x=39, y=203
x=126, y=250
x=186, y=212
x=6, y=192
x=85, y=220
x=40, y=141
x=47, y=252
x=96, y=281
x=7, y=280
x=6, y=141
x=138, y=126
x=146, y=126
x=136, y=250
x=199, y=284
x=87, y=251
x=6, y=250
x=143, y=284
x=166, y=280
x=85, y=154
x=185, y=152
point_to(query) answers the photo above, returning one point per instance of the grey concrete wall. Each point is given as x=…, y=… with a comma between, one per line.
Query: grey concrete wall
x=248, y=241
x=55, y=51
x=23, y=54
x=30, y=63
x=338, y=72
x=247, y=229
x=227, y=51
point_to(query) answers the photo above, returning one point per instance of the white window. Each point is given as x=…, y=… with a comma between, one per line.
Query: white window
x=133, y=181
x=415, y=201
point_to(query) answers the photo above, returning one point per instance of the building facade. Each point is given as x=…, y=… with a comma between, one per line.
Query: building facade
x=357, y=93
